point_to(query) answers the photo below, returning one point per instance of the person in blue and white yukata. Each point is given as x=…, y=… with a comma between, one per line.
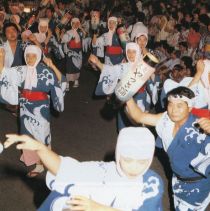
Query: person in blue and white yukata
x=38, y=84
x=127, y=184
x=110, y=76
x=72, y=44
x=187, y=146
x=110, y=41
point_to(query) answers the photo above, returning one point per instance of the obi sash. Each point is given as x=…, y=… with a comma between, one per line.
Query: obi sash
x=34, y=95
x=73, y=45
x=114, y=50
x=142, y=89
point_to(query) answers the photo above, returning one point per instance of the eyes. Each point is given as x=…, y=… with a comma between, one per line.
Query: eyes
x=130, y=160
x=177, y=105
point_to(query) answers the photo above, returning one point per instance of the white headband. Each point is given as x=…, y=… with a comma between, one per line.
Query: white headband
x=189, y=101
x=73, y=20
x=133, y=46
x=135, y=143
x=141, y=34
x=112, y=19
x=35, y=50
x=43, y=22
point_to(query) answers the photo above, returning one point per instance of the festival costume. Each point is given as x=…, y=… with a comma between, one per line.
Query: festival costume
x=105, y=182
x=72, y=42
x=38, y=85
x=113, y=49
x=189, y=157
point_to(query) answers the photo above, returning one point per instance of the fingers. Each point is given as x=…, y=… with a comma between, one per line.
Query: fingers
x=78, y=203
x=11, y=139
x=74, y=200
x=14, y=138
x=47, y=61
x=204, y=124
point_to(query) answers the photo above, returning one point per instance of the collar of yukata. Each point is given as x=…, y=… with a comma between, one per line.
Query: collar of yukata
x=189, y=101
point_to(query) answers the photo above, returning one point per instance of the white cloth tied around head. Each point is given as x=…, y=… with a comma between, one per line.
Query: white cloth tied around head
x=112, y=18
x=111, y=32
x=74, y=30
x=31, y=74
x=189, y=101
x=141, y=34
x=41, y=36
x=133, y=46
x=135, y=143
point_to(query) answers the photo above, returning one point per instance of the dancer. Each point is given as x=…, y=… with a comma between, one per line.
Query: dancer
x=39, y=84
x=127, y=184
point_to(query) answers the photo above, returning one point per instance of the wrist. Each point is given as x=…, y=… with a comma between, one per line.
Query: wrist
x=40, y=147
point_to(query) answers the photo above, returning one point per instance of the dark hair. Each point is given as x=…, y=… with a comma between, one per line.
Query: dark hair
x=204, y=19
x=140, y=16
x=187, y=61
x=51, y=9
x=178, y=27
x=177, y=53
x=181, y=91
x=9, y=24
x=195, y=26
x=184, y=44
x=178, y=67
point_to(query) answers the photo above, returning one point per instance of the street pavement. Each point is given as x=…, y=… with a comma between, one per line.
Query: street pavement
x=81, y=132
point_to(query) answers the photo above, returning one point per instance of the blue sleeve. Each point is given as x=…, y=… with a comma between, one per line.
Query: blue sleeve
x=201, y=163
x=154, y=193
x=57, y=93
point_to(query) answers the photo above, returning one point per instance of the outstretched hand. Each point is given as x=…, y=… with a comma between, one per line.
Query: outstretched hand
x=48, y=62
x=24, y=142
x=93, y=59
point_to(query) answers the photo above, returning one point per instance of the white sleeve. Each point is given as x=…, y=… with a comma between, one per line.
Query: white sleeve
x=10, y=80
x=66, y=174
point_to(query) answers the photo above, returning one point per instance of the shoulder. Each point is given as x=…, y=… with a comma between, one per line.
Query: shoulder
x=153, y=182
x=152, y=175
x=163, y=122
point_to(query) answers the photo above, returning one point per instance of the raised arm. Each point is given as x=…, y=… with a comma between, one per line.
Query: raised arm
x=2, y=56
x=139, y=116
x=50, y=64
x=199, y=70
x=49, y=158
x=95, y=61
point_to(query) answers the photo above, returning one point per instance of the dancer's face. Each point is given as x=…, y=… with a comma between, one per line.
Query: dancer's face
x=31, y=59
x=131, y=54
x=133, y=168
x=11, y=33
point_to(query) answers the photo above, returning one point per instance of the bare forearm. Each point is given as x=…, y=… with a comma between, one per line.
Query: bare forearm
x=195, y=80
x=134, y=111
x=49, y=158
x=100, y=65
x=57, y=72
x=141, y=117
